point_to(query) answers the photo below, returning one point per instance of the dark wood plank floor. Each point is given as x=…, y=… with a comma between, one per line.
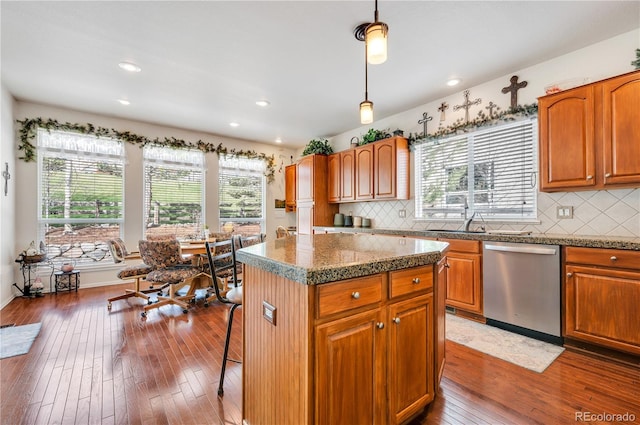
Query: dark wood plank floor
x=89, y=365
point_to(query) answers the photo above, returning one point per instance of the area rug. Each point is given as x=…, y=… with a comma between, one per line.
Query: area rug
x=17, y=340
x=518, y=349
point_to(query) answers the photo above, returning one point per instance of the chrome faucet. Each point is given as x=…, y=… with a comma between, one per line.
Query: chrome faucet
x=467, y=222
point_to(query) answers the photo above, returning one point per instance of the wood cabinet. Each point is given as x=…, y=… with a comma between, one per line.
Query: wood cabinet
x=589, y=136
x=464, y=275
x=378, y=170
x=601, y=297
x=290, y=188
x=312, y=192
x=389, y=346
x=342, y=176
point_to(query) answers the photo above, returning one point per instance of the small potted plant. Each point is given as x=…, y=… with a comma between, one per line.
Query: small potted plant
x=373, y=135
x=317, y=146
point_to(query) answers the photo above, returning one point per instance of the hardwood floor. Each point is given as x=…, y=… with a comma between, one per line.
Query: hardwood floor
x=89, y=365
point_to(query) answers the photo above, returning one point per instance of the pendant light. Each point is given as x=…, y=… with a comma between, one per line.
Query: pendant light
x=366, y=107
x=375, y=38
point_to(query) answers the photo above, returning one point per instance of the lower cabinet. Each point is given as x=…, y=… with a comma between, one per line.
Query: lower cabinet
x=375, y=366
x=464, y=275
x=602, y=295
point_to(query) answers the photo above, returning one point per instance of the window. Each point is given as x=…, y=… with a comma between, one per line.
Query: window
x=81, y=192
x=490, y=172
x=173, y=192
x=241, y=195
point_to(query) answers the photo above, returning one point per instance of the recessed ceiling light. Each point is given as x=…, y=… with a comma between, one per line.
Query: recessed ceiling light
x=234, y=124
x=263, y=103
x=128, y=66
x=278, y=140
x=124, y=102
x=453, y=82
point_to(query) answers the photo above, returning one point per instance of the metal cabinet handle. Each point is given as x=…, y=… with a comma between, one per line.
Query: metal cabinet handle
x=380, y=325
x=416, y=280
x=608, y=175
x=569, y=274
x=614, y=258
x=589, y=177
x=396, y=320
x=447, y=265
x=355, y=295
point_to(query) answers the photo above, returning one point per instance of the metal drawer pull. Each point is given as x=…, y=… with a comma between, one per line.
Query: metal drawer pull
x=355, y=295
x=614, y=258
x=396, y=320
x=380, y=325
x=608, y=175
x=569, y=274
x=447, y=265
x=589, y=177
x=416, y=280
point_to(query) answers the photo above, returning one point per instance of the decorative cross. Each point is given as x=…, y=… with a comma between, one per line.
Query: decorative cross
x=490, y=108
x=425, y=119
x=6, y=176
x=467, y=104
x=443, y=107
x=513, y=88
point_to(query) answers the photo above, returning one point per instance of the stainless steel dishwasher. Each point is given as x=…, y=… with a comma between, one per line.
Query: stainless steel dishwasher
x=521, y=286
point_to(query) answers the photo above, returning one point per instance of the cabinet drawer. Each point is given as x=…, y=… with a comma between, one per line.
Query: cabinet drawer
x=402, y=282
x=349, y=294
x=461, y=245
x=616, y=258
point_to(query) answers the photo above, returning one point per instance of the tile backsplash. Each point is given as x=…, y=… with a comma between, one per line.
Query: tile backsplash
x=595, y=213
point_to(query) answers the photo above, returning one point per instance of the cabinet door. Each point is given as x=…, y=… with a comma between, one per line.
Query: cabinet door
x=350, y=370
x=567, y=145
x=305, y=179
x=364, y=172
x=290, y=187
x=384, y=157
x=621, y=129
x=464, y=289
x=601, y=307
x=335, y=182
x=411, y=371
x=347, y=175
x=440, y=337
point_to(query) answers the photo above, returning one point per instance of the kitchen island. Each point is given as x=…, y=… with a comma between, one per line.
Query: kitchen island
x=341, y=329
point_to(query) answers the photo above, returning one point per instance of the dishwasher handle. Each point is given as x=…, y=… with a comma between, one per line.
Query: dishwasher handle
x=526, y=249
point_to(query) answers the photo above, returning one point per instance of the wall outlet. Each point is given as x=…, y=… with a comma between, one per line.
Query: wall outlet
x=563, y=212
x=402, y=213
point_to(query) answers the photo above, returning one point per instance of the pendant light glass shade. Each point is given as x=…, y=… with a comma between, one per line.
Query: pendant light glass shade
x=366, y=112
x=376, y=39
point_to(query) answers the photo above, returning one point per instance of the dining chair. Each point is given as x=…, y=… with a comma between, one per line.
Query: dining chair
x=224, y=271
x=220, y=257
x=170, y=269
x=137, y=272
x=282, y=232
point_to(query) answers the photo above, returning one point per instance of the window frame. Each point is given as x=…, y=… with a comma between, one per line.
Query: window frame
x=457, y=212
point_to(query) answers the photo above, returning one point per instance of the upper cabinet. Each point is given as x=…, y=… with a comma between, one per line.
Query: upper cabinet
x=590, y=136
x=312, y=203
x=290, y=187
x=378, y=170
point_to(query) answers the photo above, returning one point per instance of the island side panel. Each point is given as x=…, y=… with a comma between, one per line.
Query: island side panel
x=277, y=358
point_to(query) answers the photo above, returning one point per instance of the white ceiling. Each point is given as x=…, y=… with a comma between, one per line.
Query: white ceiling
x=205, y=63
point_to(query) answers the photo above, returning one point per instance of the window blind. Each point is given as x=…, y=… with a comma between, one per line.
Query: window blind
x=241, y=194
x=81, y=196
x=173, y=192
x=491, y=172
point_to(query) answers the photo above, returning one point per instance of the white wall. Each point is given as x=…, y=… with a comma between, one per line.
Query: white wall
x=26, y=185
x=612, y=212
x=7, y=212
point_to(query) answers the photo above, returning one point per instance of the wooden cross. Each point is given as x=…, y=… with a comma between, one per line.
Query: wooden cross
x=425, y=119
x=490, y=108
x=466, y=105
x=443, y=107
x=513, y=88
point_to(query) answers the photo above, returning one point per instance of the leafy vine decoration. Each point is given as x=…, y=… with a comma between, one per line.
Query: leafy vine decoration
x=29, y=130
x=482, y=120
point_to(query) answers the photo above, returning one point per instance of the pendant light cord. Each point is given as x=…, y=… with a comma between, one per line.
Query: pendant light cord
x=366, y=74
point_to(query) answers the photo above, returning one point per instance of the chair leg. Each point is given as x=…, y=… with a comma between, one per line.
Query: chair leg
x=226, y=349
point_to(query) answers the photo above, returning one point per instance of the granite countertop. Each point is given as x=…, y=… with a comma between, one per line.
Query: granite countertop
x=617, y=242
x=322, y=258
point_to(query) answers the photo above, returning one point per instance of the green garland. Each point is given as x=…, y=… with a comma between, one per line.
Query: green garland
x=482, y=120
x=29, y=130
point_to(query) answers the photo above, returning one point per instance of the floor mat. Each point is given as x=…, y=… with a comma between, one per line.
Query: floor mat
x=17, y=340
